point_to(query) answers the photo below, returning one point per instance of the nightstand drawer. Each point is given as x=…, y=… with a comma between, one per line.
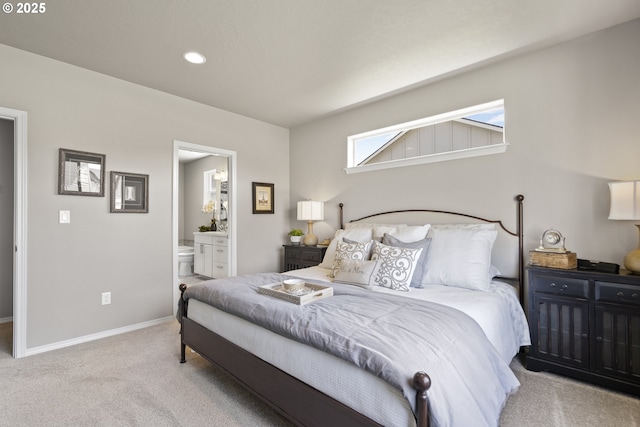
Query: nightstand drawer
x=311, y=256
x=618, y=293
x=558, y=285
x=296, y=256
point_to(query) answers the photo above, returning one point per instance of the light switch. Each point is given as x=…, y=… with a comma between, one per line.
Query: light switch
x=65, y=217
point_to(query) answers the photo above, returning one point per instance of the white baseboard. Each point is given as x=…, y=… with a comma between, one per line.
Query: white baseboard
x=99, y=335
x=6, y=319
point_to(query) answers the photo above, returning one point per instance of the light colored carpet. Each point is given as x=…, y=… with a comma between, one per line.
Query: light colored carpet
x=135, y=379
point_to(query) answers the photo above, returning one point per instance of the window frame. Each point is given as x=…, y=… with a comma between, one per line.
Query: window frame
x=429, y=158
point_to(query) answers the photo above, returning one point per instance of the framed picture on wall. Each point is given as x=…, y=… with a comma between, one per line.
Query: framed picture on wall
x=262, y=198
x=129, y=192
x=80, y=173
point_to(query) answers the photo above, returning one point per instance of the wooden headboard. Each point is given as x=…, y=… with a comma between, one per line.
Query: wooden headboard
x=508, y=252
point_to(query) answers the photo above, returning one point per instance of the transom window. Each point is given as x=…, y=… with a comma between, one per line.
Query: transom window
x=468, y=132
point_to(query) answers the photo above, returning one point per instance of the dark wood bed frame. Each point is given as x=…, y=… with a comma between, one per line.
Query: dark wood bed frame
x=290, y=396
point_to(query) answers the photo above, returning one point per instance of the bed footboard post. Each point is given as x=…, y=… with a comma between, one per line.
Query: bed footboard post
x=520, y=199
x=422, y=382
x=182, y=308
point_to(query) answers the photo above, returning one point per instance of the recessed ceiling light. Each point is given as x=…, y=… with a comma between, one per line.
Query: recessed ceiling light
x=195, y=57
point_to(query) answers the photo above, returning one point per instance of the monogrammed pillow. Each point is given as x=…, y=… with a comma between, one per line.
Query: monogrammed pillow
x=355, y=272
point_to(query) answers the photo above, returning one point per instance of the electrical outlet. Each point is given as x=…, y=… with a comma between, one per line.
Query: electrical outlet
x=106, y=298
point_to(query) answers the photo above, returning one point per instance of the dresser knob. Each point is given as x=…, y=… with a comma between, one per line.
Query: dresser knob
x=599, y=339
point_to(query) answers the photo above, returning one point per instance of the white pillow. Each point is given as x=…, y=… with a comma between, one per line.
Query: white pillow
x=353, y=251
x=459, y=257
x=411, y=233
x=354, y=272
x=357, y=234
x=471, y=225
x=377, y=230
x=395, y=266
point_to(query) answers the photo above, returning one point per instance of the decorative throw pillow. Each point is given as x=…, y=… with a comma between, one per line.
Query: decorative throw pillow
x=395, y=266
x=354, y=251
x=361, y=235
x=354, y=272
x=460, y=257
x=423, y=244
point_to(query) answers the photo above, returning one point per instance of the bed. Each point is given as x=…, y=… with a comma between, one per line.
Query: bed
x=359, y=357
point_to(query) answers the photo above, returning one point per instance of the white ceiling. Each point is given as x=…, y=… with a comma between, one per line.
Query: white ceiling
x=287, y=62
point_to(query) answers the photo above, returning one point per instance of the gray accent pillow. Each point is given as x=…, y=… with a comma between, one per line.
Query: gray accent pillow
x=416, y=280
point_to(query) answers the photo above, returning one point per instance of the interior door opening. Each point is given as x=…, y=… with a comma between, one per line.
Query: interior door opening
x=228, y=205
x=17, y=120
x=6, y=233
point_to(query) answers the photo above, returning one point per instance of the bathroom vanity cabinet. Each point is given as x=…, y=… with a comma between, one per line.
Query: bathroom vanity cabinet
x=211, y=254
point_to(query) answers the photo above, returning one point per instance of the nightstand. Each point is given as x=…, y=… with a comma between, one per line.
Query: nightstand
x=586, y=325
x=299, y=256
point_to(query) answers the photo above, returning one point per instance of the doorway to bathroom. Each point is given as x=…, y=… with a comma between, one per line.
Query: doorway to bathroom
x=194, y=201
x=6, y=235
x=13, y=189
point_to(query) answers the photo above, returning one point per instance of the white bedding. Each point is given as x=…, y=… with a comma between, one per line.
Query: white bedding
x=497, y=311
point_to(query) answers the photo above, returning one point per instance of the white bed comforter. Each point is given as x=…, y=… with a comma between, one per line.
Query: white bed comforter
x=497, y=311
x=501, y=320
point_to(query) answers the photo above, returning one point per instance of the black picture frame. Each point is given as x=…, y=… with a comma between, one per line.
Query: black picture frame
x=129, y=192
x=263, y=198
x=81, y=173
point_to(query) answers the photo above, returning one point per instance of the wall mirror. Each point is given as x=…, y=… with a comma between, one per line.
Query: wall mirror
x=81, y=173
x=129, y=192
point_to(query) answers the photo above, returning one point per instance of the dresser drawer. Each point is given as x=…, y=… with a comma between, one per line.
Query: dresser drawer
x=618, y=293
x=220, y=269
x=202, y=238
x=219, y=241
x=558, y=285
x=210, y=238
x=311, y=256
x=220, y=254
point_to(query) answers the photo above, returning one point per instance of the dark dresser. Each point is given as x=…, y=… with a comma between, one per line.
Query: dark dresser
x=586, y=325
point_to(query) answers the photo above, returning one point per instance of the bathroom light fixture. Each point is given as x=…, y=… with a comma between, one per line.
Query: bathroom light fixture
x=195, y=57
x=625, y=205
x=310, y=211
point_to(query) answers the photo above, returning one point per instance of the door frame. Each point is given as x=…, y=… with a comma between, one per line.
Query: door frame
x=19, y=119
x=232, y=231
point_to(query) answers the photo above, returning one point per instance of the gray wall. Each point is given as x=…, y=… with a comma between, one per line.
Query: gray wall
x=130, y=255
x=6, y=218
x=571, y=119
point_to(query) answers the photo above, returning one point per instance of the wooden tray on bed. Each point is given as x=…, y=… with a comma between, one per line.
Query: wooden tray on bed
x=315, y=293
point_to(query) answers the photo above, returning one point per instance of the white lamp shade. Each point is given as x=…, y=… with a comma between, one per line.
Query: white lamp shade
x=625, y=200
x=310, y=211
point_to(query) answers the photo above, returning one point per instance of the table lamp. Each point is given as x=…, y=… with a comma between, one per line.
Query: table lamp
x=310, y=211
x=625, y=205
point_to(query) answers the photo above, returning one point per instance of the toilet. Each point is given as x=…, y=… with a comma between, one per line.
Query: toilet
x=185, y=261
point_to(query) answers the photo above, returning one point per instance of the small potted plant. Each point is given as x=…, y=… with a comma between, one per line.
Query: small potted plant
x=296, y=235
